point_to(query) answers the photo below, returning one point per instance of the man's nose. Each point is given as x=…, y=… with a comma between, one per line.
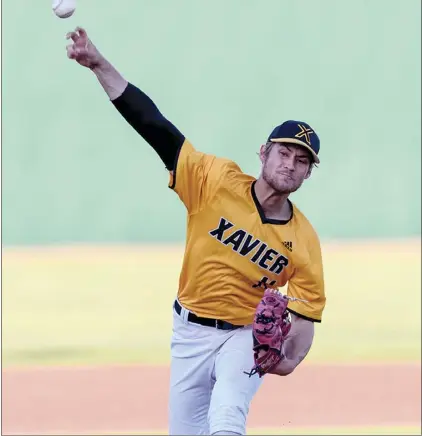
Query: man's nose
x=289, y=164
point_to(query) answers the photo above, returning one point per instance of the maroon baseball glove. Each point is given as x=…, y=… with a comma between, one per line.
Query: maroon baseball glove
x=270, y=328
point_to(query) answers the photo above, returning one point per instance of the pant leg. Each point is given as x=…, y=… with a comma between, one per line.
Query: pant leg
x=191, y=379
x=233, y=390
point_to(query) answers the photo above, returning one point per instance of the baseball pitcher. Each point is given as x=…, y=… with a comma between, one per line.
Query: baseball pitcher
x=245, y=240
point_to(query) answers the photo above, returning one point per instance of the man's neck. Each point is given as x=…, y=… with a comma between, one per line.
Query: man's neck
x=274, y=204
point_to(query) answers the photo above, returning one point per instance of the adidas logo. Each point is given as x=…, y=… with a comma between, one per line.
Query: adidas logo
x=288, y=245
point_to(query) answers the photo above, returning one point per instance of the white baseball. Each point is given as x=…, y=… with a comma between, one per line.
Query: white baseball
x=64, y=8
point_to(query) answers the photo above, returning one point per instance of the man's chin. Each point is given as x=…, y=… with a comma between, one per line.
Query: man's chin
x=284, y=189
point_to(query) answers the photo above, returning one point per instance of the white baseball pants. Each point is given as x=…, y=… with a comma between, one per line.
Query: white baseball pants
x=209, y=391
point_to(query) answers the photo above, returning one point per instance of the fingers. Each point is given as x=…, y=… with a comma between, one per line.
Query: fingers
x=82, y=32
x=75, y=52
x=72, y=35
x=79, y=50
x=70, y=52
x=79, y=33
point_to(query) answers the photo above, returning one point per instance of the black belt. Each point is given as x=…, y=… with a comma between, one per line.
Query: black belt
x=209, y=322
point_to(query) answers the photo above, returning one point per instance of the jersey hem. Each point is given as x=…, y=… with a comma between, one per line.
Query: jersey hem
x=304, y=316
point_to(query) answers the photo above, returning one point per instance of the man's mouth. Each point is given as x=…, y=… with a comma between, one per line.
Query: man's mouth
x=286, y=175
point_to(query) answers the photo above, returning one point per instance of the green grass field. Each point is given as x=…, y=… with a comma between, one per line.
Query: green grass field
x=98, y=305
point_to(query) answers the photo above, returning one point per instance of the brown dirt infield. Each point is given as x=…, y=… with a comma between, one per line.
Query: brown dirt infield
x=134, y=398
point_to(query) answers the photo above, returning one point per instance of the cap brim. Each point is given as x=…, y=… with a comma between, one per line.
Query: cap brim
x=298, y=142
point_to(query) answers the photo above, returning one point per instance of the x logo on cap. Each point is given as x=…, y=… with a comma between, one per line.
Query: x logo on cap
x=304, y=133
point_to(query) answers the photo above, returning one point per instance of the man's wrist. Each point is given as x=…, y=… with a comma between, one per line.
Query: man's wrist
x=111, y=80
x=100, y=67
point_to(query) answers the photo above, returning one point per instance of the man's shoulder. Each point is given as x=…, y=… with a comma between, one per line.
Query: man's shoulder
x=229, y=169
x=217, y=168
x=233, y=175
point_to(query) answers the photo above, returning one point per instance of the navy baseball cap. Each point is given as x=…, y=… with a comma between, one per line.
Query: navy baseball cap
x=297, y=132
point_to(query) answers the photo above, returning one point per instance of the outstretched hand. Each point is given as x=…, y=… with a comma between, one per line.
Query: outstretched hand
x=82, y=50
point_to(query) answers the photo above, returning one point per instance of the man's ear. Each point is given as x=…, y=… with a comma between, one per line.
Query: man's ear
x=262, y=153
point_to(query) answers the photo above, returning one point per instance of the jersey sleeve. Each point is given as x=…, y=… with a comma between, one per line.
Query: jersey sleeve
x=307, y=283
x=196, y=176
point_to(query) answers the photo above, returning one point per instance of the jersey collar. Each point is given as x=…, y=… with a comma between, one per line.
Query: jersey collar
x=264, y=219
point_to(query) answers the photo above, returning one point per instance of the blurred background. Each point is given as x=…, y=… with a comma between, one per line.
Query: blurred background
x=93, y=239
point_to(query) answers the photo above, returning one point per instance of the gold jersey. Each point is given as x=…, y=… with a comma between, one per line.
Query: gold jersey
x=233, y=252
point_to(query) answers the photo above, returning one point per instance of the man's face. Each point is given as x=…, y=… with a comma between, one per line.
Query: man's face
x=285, y=166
